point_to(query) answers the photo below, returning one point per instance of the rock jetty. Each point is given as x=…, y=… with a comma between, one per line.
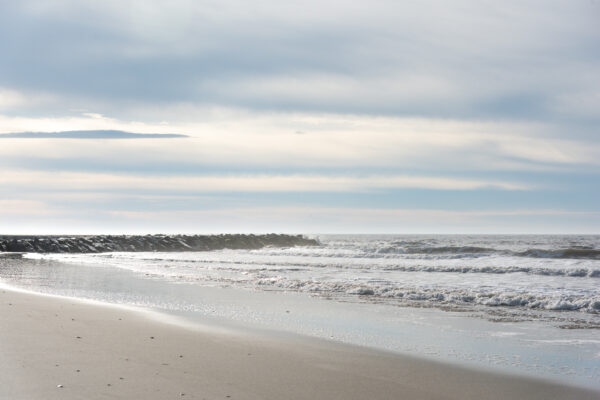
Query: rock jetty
x=107, y=243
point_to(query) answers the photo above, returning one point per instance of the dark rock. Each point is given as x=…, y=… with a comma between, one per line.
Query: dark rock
x=100, y=243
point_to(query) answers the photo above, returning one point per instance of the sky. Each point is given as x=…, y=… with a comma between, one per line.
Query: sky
x=429, y=116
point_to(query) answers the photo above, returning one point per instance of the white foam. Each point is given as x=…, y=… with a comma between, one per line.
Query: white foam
x=501, y=271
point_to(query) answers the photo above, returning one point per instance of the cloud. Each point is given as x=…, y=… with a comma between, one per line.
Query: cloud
x=12, y=99
x=361, y=220
x=77, y=122
x=23, y=207
x=223, y=138
x=485, y=103
x=582, y=104
x=461, y=60
x=250, y=183
x=60, y=220
x=90, y=134
x=365, y=213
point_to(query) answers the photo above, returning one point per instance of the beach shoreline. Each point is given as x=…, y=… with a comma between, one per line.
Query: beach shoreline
x=62, y=348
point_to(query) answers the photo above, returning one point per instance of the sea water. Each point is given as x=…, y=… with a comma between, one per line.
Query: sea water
x=524, y=304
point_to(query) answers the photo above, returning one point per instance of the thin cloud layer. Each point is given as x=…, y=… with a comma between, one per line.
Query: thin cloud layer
x=107, y=134
x=266, y=140
x=250, y=183
x=473, y=116
x=429, y=58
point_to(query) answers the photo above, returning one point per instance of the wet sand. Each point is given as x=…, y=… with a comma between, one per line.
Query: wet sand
x=56, y=348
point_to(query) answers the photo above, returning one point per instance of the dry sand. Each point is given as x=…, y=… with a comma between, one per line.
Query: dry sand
x=54, y=348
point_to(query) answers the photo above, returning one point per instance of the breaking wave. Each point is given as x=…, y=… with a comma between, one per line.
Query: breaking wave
x=431, y=251
x=433, y=297
x=591, y=254
x=474, y=251
x=552, y=273
x=264, y=264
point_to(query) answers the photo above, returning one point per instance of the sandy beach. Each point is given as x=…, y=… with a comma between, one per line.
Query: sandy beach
x=58, y=348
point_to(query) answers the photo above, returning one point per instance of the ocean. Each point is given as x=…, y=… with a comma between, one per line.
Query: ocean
x=521, y=304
